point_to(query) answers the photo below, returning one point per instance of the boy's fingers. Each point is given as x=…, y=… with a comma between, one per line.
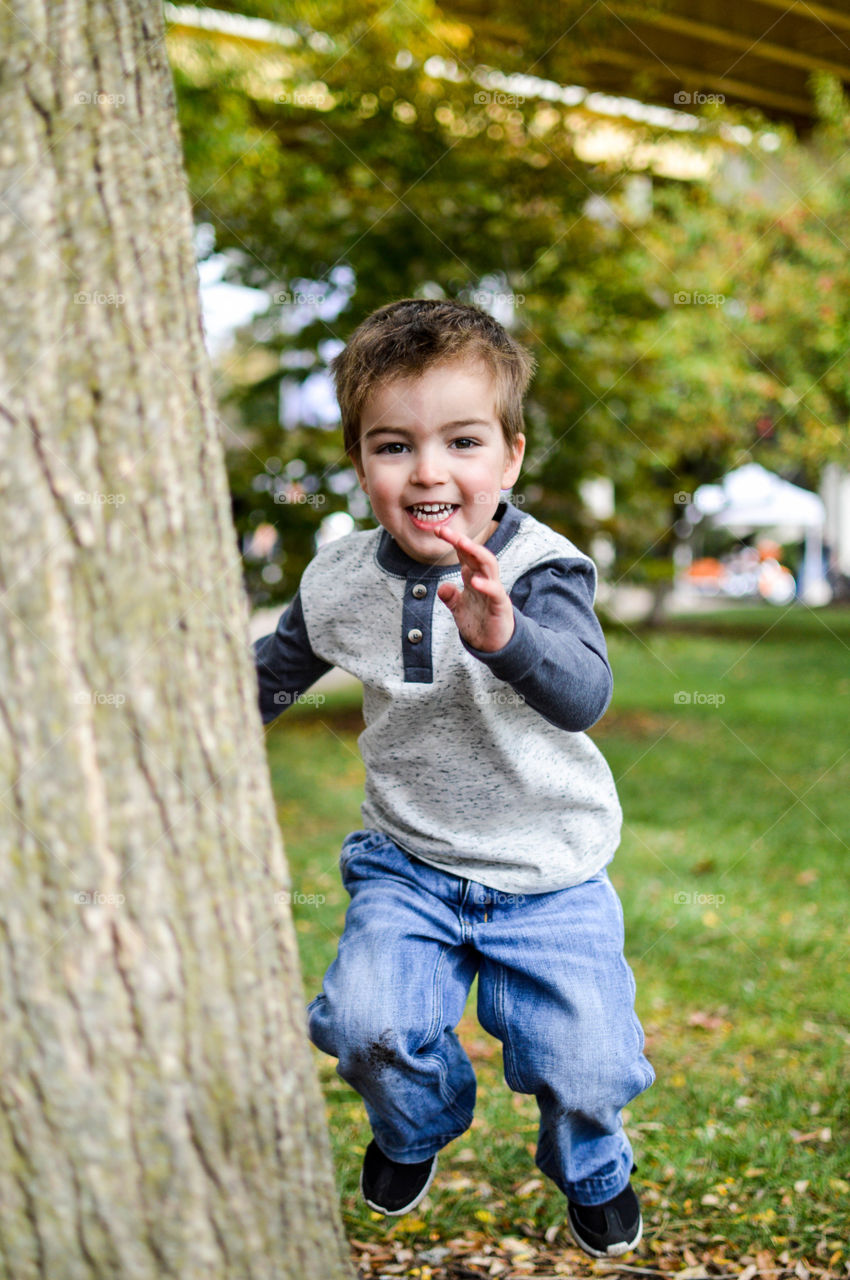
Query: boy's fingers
x=457, y=540
x=487, y=586
x=483, y=559
x=449, y=594
x=486, y=562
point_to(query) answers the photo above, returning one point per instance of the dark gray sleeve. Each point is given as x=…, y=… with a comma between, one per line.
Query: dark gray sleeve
x=556, y=658
x=286, y=663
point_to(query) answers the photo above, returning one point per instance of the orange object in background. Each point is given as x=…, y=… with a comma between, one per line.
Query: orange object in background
x=706, y=570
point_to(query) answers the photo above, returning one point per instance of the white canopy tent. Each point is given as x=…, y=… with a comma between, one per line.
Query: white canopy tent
x=752, y=498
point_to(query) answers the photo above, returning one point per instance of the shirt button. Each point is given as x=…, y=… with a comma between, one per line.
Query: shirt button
x=414, y=636
x=420, y=591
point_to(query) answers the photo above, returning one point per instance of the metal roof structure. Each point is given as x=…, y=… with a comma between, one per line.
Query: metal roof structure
x=754, y=53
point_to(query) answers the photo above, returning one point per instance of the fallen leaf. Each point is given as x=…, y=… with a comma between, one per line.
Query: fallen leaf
x=457, y=1182
x=437, y=1254
x=816, y=1135
x=708, y=1021
x=410, y=1225
x=513, y=1245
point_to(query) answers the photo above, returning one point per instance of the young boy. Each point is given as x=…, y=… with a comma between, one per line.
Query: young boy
x=489, y=816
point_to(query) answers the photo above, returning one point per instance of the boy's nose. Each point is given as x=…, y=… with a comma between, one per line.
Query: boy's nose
x=428, y=468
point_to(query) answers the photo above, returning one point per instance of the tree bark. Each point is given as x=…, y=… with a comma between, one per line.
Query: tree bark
x=160, y=1113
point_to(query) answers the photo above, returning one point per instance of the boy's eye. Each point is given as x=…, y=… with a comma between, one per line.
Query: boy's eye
x=392, y=446
x=464, y=443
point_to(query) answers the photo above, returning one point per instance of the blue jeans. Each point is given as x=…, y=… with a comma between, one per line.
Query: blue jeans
x=553, y=986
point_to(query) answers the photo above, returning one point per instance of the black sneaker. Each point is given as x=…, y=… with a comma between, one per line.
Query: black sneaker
x=393, y=1188
x=609, y=1229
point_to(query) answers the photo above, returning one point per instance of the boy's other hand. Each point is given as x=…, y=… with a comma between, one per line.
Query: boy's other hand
x=482, y=609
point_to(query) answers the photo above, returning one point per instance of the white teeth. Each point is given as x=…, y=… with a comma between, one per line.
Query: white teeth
x=428, y=509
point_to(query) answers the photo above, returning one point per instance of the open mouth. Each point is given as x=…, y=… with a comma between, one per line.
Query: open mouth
x=431, y=513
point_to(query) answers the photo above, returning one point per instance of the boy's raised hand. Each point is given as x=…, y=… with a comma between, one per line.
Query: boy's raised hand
x=482, y=610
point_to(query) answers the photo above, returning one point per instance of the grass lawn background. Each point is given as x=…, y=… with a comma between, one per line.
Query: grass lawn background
x=733, y=872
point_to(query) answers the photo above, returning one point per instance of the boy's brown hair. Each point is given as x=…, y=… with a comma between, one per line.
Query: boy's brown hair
x=407, y=337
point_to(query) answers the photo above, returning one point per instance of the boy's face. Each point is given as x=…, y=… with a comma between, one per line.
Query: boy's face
x=432, y=452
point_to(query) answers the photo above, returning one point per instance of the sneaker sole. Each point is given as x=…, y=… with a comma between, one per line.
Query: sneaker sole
x=397, y=1213
x=613, y=1250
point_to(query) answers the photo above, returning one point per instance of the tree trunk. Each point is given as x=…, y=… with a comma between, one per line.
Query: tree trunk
x=160, y=1113
x=660, y=593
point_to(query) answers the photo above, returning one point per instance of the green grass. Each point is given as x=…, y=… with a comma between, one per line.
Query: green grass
x=733, y=872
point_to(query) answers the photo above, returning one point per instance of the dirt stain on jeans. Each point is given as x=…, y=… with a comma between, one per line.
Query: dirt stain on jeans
x=380, y=1054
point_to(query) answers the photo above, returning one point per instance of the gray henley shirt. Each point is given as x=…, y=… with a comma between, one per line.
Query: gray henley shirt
x=477, y=763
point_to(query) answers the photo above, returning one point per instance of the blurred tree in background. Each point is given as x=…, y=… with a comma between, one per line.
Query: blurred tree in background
x=751, y=273
x=378, y=156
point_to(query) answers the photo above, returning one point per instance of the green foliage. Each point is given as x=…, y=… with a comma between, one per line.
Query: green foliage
x=351, y=169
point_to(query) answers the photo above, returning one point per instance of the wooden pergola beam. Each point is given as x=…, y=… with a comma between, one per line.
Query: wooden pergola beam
x=698, y=75
x=759, y=48
x=805, y=9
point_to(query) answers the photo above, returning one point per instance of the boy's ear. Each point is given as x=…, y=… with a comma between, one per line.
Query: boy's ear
x=514, y=463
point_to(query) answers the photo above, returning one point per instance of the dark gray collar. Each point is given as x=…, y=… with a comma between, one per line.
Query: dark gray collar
x=393, y=559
